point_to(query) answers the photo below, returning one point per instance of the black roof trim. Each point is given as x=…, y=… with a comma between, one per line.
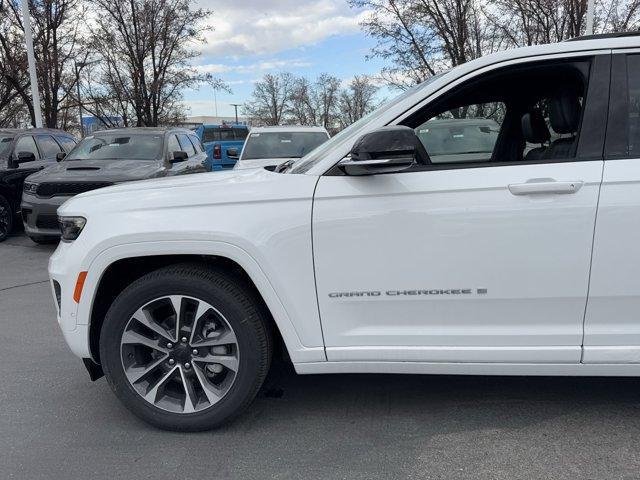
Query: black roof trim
x=603, y=36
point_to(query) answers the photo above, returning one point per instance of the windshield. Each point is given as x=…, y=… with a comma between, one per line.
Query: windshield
x=5, y=145
x=118, y=146
x=304, y=164
x=281, y=144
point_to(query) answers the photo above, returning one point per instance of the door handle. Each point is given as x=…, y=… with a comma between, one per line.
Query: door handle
x=545, y=187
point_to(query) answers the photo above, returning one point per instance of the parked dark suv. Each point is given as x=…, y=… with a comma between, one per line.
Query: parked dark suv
x=23, y=152
x=102, y=159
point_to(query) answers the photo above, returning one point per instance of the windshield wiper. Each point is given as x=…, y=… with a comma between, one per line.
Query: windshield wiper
x=283, y=167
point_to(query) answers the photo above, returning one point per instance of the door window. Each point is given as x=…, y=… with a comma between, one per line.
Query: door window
x=48, y=146
x=633, y=73
x=26, y=144
x=186, y=145
x=467, y=134
x=173, y=145
x=67, y=143
x=528, y=113
x=196, y=143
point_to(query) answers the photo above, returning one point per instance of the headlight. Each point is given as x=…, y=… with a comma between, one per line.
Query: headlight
x=30, y=187
x=71, y=227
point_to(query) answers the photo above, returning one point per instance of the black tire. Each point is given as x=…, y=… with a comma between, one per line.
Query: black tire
x=225, y=292
x=6, y=218
x=42, y=240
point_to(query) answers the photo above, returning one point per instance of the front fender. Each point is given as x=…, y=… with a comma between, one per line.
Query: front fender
x=313, y=351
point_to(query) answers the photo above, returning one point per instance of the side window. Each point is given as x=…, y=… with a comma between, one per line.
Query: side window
x=466, y=134
x=527, y=113
x=186, y=145
x=633, y=73
x=26, y=144
x=196, y=143
x=173, y=145
x=241, y=133
x=48, y=146
x=67, y=143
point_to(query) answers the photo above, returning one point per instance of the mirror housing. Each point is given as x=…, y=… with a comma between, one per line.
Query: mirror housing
x=386, y=150
x=60, y=156
x=179, y=157
x=232, y=152
x=24, y=157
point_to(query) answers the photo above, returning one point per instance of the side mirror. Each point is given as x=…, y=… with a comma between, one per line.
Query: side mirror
x=24, y=157
x=232, y=153
x=179, y=157
x=387, y=150
x=60, y=156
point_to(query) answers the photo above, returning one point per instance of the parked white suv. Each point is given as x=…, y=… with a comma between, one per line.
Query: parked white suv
x=271, y=146
x=369, y=255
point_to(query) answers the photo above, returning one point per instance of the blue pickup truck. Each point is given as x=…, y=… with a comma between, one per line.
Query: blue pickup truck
x=223, y=144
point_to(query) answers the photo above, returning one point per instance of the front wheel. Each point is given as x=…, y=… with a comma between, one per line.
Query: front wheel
x=185, y=348
x=6, y=218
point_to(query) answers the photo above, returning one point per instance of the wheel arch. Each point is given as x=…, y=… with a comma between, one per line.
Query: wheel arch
x=115, y=269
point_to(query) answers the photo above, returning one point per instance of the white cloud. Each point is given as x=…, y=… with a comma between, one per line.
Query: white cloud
x=262, y=27
x=263, y=66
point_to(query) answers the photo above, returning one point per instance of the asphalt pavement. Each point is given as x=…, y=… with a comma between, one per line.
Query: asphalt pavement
x=56, y=424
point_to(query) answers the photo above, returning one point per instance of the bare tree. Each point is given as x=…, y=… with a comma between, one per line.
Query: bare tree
x=357, y=100
x=13, y=60
x=314, y=103
x=270, y=99
x=57, y=44
x=146, y=48
x=56, y=25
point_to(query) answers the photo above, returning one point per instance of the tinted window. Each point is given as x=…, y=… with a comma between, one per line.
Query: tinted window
x=48, y=146
x=240, y=133
x=5, y=144
x=211, y=135
x=281, y=144
x=226, y=134
x=185, y=145
x=67, y=143
x=117, y=146
x=633, y=71
x=26, y=144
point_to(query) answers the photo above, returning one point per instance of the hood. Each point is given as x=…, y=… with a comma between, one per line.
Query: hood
x=260, y=163
x=192, y=191
x=114, y=171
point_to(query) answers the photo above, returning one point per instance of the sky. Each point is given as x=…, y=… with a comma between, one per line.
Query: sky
x=254, y=37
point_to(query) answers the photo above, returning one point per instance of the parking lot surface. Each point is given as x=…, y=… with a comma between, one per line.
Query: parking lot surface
x=55, y=423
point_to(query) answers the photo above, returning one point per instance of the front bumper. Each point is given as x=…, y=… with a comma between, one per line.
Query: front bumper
x=39, y=215
x=64, y=268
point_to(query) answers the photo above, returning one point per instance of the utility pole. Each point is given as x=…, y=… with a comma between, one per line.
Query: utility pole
x=590, y=15
x=75, y=66
x=33, y=77
x=236, y=105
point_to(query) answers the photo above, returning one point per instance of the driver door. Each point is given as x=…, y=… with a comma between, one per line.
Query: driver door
x=461, y=262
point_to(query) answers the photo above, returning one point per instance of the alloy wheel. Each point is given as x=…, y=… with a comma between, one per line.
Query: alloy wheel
x=180, y=354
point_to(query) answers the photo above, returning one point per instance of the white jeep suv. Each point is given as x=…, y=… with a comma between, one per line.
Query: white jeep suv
x=512, y=251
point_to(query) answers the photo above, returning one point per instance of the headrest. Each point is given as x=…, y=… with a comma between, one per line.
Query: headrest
x=534, y=128
x=564, y=113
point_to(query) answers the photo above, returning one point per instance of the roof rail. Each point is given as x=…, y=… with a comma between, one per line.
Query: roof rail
x=604, y=35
